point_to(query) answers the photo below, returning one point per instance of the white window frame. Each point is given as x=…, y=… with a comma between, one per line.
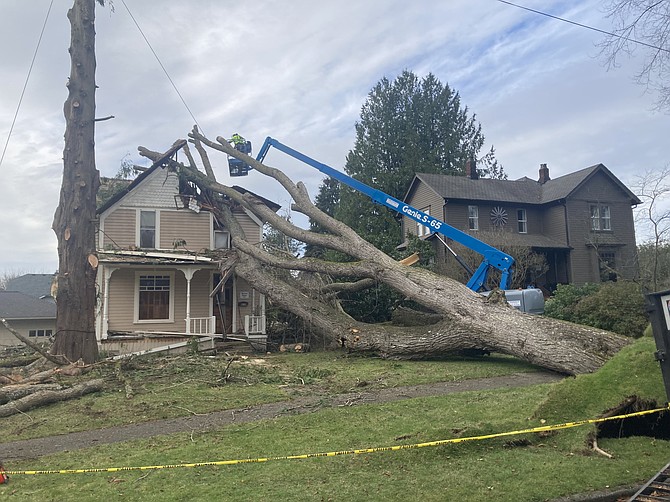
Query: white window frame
x=473, y=217
x=423, y=230
x=157, y=233
x=601, y=217
x=136, y=314
x=605, y=218
x=522, y=220
x=223, y=235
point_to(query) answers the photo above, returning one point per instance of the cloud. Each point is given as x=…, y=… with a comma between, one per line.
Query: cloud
x=300, y=72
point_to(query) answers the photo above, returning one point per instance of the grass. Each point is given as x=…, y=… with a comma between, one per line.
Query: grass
x=169, y=387
x=500, y=469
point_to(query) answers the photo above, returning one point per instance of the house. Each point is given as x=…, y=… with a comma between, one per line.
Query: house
x=159, y=279
x=34, y=318
x=581, y=222
x=36, y=285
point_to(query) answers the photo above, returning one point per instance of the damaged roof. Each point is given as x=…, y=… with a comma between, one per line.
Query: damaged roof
x=123, y=187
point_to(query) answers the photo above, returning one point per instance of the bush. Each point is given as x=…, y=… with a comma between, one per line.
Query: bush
x=563, y=303
x=613, y=306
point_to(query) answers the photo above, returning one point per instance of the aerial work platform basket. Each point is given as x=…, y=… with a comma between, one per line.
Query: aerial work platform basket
x=235, y=166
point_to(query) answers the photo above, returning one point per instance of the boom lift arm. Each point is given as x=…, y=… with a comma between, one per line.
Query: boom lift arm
x=492, y=257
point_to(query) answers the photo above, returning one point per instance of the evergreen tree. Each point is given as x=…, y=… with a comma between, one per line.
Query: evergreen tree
x=407, y=126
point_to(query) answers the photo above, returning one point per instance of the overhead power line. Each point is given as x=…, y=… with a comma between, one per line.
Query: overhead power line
x=627, y=39
x=174, y=86
x=25, y=85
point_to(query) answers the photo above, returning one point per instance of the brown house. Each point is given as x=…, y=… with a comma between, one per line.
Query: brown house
x=159, y=281
x=582, y=222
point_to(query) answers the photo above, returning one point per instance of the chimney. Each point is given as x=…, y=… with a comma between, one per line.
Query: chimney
x=471, y=169
x=544, y=174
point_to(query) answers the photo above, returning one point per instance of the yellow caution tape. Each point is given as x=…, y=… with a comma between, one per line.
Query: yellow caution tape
x=544, y=428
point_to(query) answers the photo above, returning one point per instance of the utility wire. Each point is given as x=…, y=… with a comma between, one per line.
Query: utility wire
x=161, y=65
x=25, y=85
x=627, y=39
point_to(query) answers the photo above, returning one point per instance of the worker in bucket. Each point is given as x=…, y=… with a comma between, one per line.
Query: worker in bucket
x=238, y=141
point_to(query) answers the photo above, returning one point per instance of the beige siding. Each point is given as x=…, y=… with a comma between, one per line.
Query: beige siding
x=122, y=297
x=23, y=326
x=185, y=225
x=251, y=230
x=201, y=286
x=119, y=229
x=252, y=300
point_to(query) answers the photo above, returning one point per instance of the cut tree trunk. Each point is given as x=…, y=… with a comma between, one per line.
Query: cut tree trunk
x=74, y=221
x=44, y=397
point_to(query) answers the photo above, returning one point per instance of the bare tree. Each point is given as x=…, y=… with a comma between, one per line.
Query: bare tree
x=74, y=220
x=653, y=216
x=467, y=321
x=641, y=25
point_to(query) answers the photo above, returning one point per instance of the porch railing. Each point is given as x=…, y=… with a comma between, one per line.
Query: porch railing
x=254, y=325
x=203, y=325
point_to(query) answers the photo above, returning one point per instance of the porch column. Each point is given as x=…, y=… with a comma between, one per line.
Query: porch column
x=105, y=306
x=188, y=273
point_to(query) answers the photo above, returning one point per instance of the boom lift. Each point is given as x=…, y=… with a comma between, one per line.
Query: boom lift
x=492, y=257
x=529, y=300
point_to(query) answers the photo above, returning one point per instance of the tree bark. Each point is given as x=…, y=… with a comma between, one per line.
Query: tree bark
x=74, y=220
x=44, y=397
x=469, y=321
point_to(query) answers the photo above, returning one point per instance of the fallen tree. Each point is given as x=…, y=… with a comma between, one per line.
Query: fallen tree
x=468, y=321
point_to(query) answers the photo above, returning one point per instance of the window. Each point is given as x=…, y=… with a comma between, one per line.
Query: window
x=600, y=217
x=607, y=265
x=221, y=239
x=473, y=217
x=522, y=221
x=39, y=332
x=605, y=221
x=154, y=298
x=148, y=229
x=422, y=230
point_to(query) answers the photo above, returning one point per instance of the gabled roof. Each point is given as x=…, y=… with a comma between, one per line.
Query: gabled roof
x=161, y=163
x=35, y=285
x=523, y=190
x=15, y=305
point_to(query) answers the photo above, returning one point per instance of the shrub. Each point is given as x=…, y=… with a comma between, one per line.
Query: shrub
x=617, y=307
x=613, y=306
x=563, y=303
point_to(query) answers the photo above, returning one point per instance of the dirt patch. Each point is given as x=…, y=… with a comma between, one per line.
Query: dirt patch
x=34, y=448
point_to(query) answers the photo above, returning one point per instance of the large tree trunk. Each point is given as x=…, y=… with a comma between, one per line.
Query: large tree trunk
x=74, y=221
x=469, y=321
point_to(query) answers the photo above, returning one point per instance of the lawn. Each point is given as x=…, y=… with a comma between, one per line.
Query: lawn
x=520, y=468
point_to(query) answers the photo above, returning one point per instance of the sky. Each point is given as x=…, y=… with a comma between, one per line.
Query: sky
x=300, y=71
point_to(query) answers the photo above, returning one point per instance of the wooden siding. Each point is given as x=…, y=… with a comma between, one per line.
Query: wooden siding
x=422, y=198
x=23, y=326
x=254, y=299
x=251, y=229
x=122, y=296
x=157, y=191
x=193, y=228
x=553, y=223
x=119, y=229
x=600, y=190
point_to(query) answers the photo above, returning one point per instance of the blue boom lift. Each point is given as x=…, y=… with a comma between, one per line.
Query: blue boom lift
x=530, y=300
